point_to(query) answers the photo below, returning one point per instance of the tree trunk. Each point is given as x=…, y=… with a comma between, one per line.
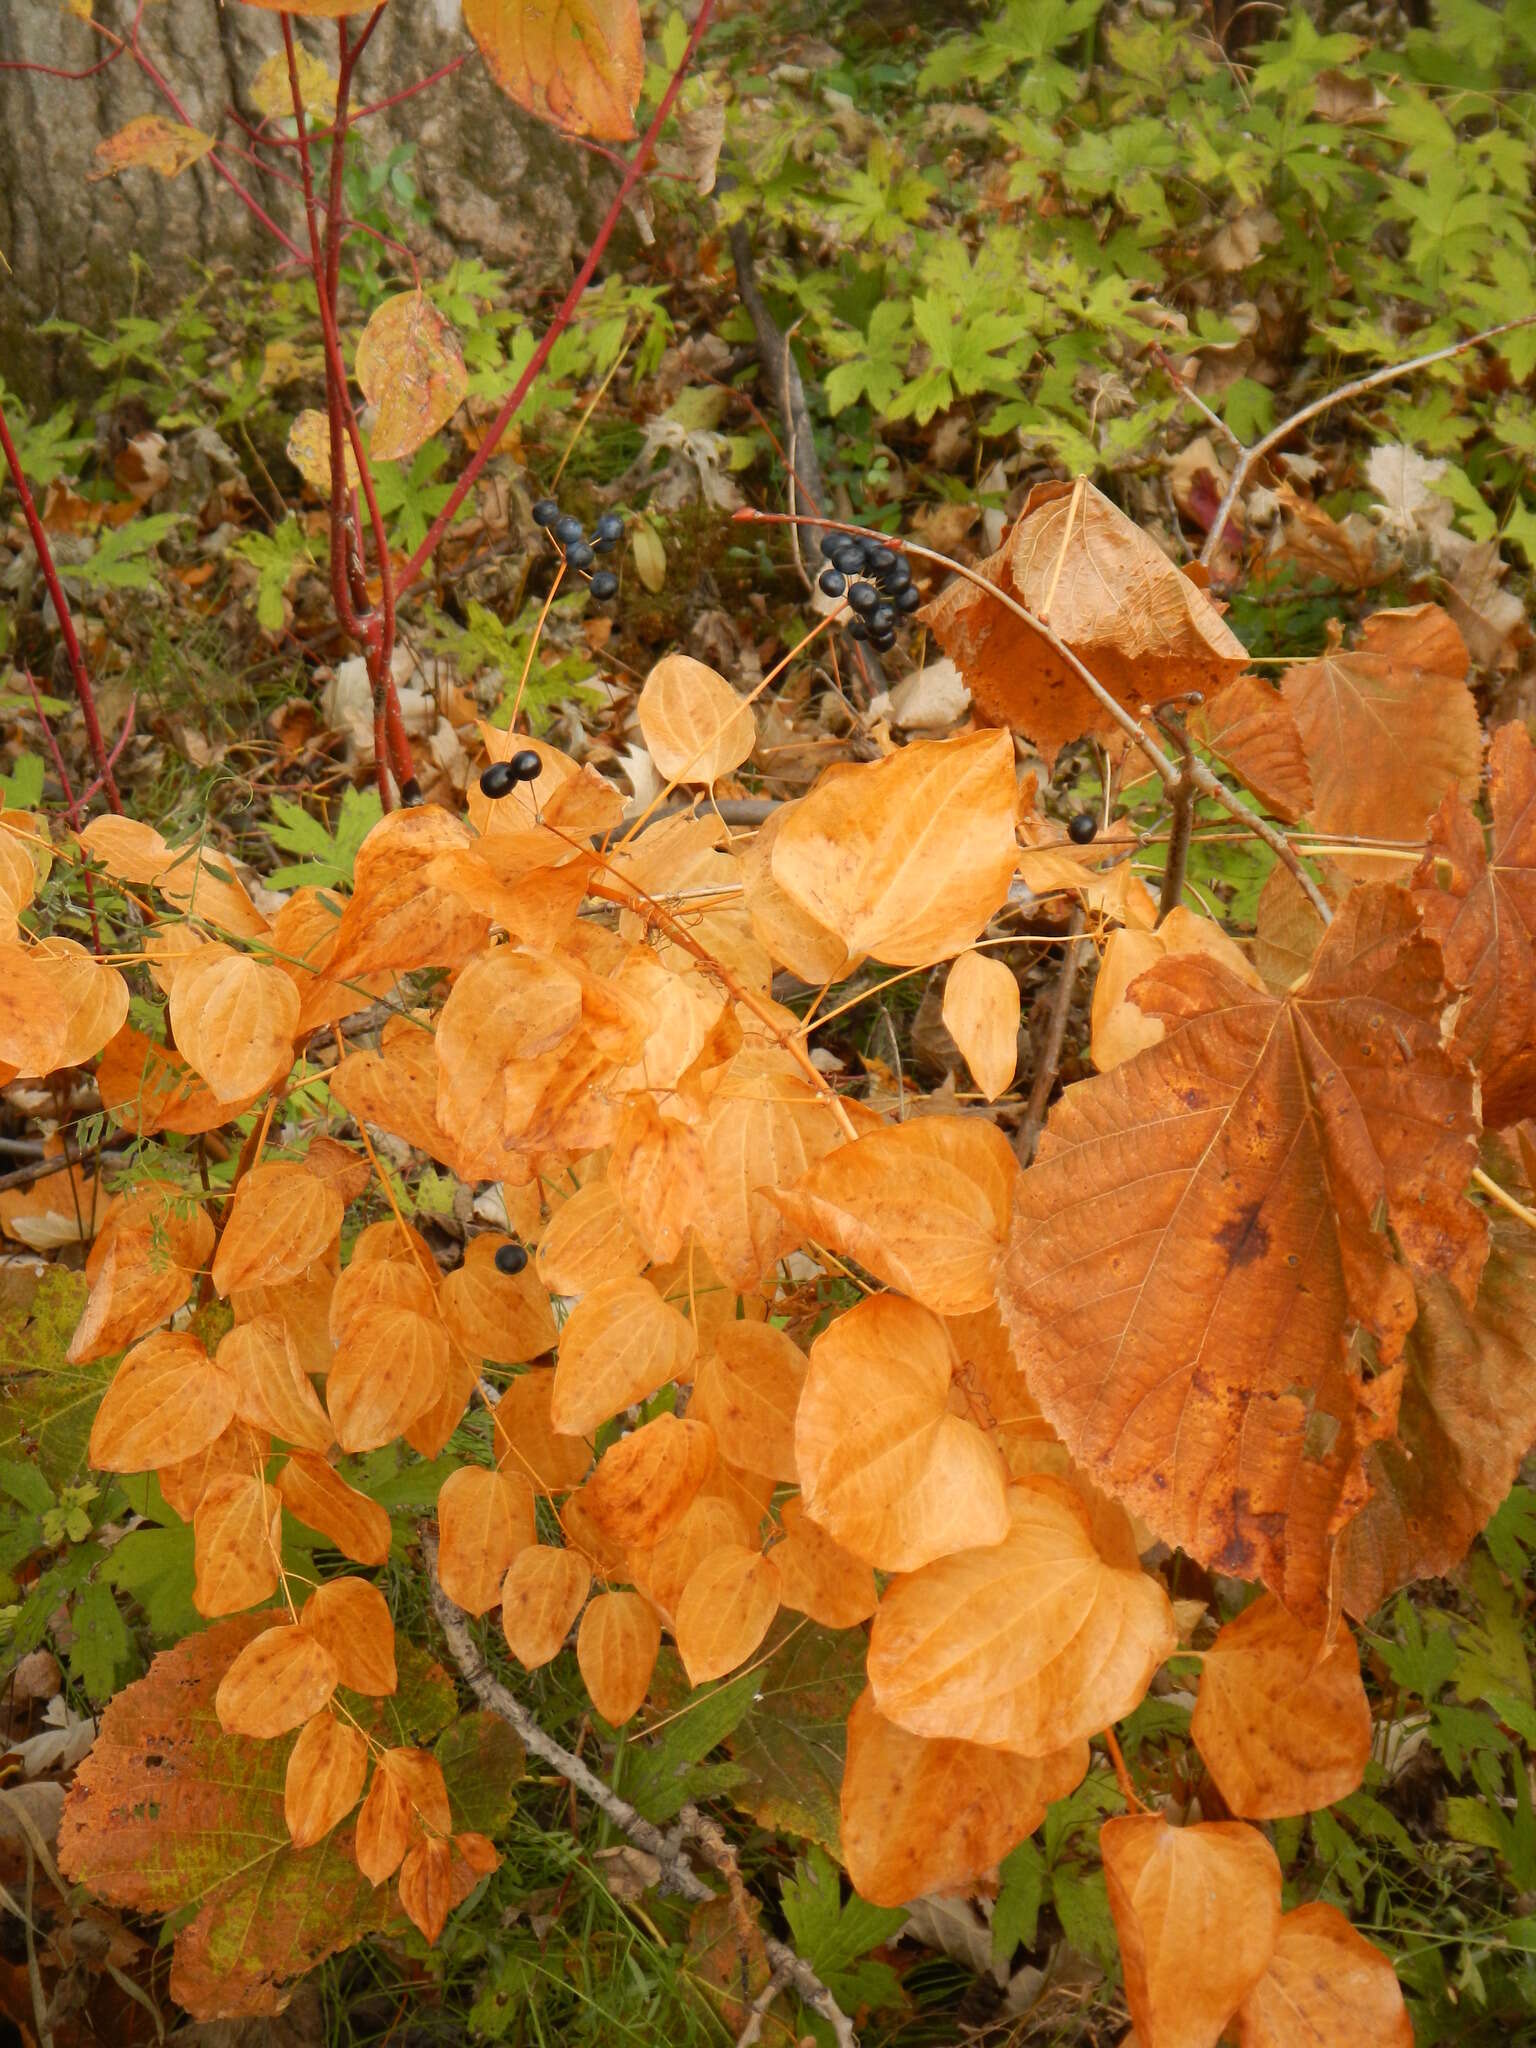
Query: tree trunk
x=498, y=184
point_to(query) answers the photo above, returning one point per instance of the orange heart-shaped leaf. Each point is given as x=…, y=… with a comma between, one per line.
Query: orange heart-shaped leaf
x=324, y=1779
x=726, y=1609
x=279, y=1680
x=351, y=1618
x=616, y=1648
x=620, y=1343
x=167, y=1401
x=484, y=1519
x=541, y=1596
x=1326, y=1987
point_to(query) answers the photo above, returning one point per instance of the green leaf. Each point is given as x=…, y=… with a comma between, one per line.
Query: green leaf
x=1424, y=1656
x=101, y=1655
x=155, y=1567
x=124, y=556
x=330, y=852
x=792, y=1740
x=482, y=1760
x=662, y=1777
x=49, y=1403
x=1511, y=1535
x=1082, y=1906
x=833, y=1934
x=22, y=789
x=169, y=1814
x=1025, y=1885
x=25, y=1485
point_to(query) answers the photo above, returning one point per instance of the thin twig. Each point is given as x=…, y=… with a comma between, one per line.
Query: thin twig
x=678, y=1873
x=77, y=669
x=1356, y=388
x=783, y=374
x=757, y=2011
x=1055, y=1033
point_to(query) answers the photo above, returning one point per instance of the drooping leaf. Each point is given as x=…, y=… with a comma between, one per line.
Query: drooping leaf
x=616, y=1649
x=981, y=1014
x=907, y=859
x=577, y=64
x=923, y=1816
x=725, y=1610
x=1281, y=1719
x=282, y=1219
x=1326, y=1987
x=747, y=1388
x=1025, y=1645
x=619, y=1344
x=696, y=727
x=1250, y=730
x=1197, y=1910
x=923, y=1205
x=1200, y=1233
x=169, y=1809
x=1109, y=593
x=541, y=1597
x=1479, y=904
x=411, y=369
x=168, y=1399
x=886, y=1467
x=484, y=1519
x=234, y=1019
x=817, y=1576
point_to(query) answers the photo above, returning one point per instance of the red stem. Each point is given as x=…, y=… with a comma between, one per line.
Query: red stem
x=395, y=99
x=71, y=802
x=466, y=483
x=77, y=668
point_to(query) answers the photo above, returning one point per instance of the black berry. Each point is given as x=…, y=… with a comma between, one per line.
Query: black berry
x=899, y=578
x=1083, y=828
x=863, y=596
x=526, y=766
x=411, y=798
x=881, y=619
x=831, y=582
x=604, y=584
x=879, y=561
x=831, y=542
x=608, y=530
x=567, y=529
x=908, y=598
x=883, y=642
x=498, y=780
x=849, y=559
x=510, y=1259
x=546, y=512
x=579, y=555
x=858, y=629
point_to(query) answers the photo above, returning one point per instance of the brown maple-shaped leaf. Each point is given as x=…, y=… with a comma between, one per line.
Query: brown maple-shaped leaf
x=1109, y=593
x=1465, y=1422
x=1210, y=1276
x=1479, y=903
x=1388, y=727
x=168, y=1811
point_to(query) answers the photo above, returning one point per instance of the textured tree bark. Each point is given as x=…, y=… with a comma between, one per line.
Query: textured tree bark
x=498, y=184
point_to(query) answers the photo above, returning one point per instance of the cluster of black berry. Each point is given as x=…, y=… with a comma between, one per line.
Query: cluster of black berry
x=580, y=549
x=877, y=604
x=502, y=777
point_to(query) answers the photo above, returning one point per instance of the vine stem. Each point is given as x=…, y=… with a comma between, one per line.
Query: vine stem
x=679, y=1874
x=1357, y=387
x=565, y=313
x=82, y=681
x=1055, y=1036
x=1208, y=784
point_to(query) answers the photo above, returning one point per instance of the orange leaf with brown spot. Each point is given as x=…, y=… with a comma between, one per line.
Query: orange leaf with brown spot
x=577, y=64
x=643, y=1483
x=33, y=1020
x=235, y=1450
x=885, y=1466
x=620, y=1344
x=1326, y=1987
x=662, y=1570
x=1027, y=1644
x=921, y=1816
x=616, y=1648
x=1197, y=1910
x=326, y=1770
x=368, y=1286
x=394, y=918
x=484, y=1519
x=1281, y=1720
x=238, y=1528
x=389, y=1372
x=94, y=995
x=149, y=1088
x=134, y=1288
x=351, y=1618
x=1109, y=593
x=167, y=1401
x=1249, y=728
x=766, y=1125
x=426, y=1884
x=396, y=1087
x=1200, y=1230
x=541, y=1596
x=276, y=1683
x=275, y=1394
x=696, y=726
x=726, y=1609
x=152, y=143
x=321, y=1499
x=747, y=1387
